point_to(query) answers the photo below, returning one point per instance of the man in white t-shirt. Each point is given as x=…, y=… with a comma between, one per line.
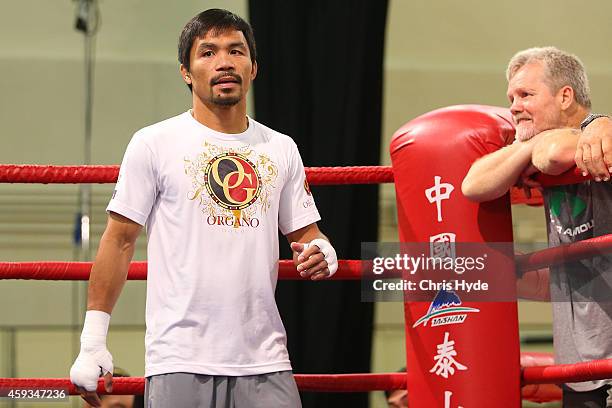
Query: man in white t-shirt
x=213, y=187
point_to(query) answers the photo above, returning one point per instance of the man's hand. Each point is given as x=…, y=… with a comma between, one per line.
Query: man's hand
x=316, y=260
x=93, y=359
x=594, y=150
x=91, y=397
x=526, y=182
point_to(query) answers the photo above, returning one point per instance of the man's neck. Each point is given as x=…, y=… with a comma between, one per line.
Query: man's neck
x=576, y=116
x=224, y=119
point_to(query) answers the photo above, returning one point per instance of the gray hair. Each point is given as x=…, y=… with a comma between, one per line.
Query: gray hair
x=562, y=69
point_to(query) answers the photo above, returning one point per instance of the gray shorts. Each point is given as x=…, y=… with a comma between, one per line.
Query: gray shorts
x=186, y=390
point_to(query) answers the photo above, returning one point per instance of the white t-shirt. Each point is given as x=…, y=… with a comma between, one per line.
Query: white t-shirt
x=213, y=204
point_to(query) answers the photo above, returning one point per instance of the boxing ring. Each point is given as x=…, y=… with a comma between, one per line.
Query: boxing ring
x=466, y=132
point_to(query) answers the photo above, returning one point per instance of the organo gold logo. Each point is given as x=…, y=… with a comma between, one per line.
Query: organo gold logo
x=232, y=181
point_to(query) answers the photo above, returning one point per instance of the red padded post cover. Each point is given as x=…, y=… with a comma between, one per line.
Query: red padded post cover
x=472, y=362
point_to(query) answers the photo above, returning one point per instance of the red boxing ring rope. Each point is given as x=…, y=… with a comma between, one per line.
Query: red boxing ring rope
x=50, y=174
x=565, y=253
x=305, y=382
x=31, y=173
x=347, y=270
x=562, y=373
x=12, y=173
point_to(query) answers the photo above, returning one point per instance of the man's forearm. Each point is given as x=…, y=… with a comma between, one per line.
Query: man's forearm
x=109, y=273
x=555, y=150
x=492, y=176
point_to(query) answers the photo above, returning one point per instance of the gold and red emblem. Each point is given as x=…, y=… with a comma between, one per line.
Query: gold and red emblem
x=232, y=181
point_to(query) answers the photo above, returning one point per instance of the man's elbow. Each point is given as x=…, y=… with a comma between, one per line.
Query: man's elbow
x=469, y=190
x=121, y=233
x=553, y=159
x=553, y=168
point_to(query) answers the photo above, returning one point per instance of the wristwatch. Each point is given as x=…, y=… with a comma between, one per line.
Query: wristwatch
x=591, y=117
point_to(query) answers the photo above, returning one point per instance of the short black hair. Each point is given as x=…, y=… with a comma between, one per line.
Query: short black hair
x=216, y=20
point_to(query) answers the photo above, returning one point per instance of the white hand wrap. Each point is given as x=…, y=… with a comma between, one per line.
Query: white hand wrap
x=94, y=359
x=328, y=252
